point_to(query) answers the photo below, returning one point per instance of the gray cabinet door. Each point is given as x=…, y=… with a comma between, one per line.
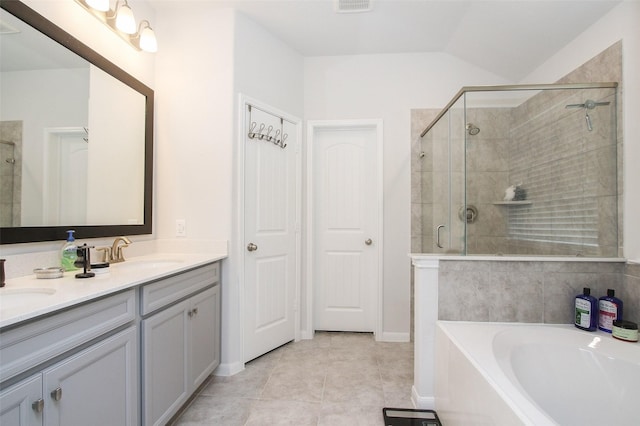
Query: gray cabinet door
x=165, y=378
x=22, y=404
x=98, y=384
x=205, y=335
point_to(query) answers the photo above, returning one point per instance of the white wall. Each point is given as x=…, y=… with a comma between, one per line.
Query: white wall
x=202, y=68
x=622, y=23
x=388, y=87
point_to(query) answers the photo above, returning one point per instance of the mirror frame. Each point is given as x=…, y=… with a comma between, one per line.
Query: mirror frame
x=28, y=234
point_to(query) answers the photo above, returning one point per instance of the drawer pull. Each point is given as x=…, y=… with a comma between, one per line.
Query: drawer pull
x=38, y=405
x=57, y=394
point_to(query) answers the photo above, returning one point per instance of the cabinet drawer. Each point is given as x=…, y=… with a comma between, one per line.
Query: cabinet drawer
x=29, y=345
x=169, y=290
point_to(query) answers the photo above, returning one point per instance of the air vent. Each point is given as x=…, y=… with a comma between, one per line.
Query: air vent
x=353, y=6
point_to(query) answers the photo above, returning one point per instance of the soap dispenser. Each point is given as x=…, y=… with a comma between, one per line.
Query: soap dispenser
x=69, y=252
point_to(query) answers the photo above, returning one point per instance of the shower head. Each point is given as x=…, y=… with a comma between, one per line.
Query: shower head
x=472, y=129
x=587, y=105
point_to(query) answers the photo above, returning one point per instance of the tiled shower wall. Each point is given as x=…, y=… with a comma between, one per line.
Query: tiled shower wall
x=518, y=291
x=569, y=173
x=530, y=291
x=489, y=170
x=11, y=173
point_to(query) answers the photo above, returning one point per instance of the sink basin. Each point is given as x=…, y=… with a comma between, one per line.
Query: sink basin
x=19, y=297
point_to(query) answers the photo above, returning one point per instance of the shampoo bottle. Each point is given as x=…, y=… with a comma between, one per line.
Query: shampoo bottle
x=586, y=311
x=69, y=252
x=610, y=309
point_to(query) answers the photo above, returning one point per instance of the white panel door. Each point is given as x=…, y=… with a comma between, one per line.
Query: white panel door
x=270, y=235
x=345, y=211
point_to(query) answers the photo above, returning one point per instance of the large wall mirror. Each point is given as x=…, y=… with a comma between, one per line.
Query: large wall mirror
x=76, y=136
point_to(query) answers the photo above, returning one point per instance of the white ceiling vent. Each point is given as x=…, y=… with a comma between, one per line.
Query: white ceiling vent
x=352, y=6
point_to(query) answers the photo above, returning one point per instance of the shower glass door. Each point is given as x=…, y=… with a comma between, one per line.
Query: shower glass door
x=443, y=194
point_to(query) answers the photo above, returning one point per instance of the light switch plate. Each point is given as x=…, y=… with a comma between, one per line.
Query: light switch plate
x=181, y=228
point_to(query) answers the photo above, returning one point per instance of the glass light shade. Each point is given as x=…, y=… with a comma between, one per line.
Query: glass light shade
x=148, y=41
x=125, y=21
x=101, y=5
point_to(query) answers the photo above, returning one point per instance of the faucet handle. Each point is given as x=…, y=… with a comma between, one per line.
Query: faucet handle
x=119, y=254
x=107, y=255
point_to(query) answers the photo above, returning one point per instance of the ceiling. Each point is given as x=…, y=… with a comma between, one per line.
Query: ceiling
x=507, y=37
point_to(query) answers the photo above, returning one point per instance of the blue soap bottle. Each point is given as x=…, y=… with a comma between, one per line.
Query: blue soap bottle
x=609, y=310
x=69, y=252
x=586, y=311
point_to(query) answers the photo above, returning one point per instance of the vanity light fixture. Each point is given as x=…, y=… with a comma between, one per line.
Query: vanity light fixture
x=145, y=37
x=122, y=22
x=125, y=21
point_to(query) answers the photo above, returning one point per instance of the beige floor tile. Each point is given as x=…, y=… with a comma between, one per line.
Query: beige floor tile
x=294, y=413
x=335, y=379
x=338, y=414
x=208, y=410
x=295, y=385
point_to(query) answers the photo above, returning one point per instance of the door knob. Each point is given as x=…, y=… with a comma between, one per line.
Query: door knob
x=252, y=247
x=368, y=241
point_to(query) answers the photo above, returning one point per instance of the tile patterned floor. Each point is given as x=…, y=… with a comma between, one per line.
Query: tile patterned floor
x=335, y=379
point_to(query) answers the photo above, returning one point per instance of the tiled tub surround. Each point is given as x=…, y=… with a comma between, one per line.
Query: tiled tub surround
x=507, y=289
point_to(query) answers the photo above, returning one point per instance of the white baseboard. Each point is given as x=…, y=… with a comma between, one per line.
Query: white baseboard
x=306, y=335
x=422, y=402
x=228, y=369
x=394, y=337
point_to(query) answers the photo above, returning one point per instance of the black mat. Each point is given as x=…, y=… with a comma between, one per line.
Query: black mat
x=407, y=417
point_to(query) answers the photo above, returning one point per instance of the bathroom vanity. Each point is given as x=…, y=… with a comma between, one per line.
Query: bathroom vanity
x=127, y=348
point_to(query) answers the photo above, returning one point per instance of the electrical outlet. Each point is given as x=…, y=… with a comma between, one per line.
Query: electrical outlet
x=181, y=228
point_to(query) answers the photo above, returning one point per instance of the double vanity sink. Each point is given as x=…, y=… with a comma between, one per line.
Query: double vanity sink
x=130, y=346
x=27, y=297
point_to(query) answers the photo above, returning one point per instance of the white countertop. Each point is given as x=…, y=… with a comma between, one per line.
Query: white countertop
x=69, y=290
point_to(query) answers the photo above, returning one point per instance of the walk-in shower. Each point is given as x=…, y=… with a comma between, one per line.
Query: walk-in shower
x=541, y=178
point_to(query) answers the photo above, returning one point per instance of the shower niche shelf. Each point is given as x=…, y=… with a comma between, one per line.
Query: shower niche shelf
x=512, y=203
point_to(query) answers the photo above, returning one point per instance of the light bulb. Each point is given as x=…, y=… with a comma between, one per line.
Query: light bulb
x=125, y=21
x=148, y=41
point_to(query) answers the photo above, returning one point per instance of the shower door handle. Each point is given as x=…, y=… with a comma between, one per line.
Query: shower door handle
x=438, y=235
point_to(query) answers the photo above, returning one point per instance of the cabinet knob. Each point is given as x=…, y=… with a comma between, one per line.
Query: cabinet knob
x=38, y=405
x=195, y=311
x=252, y=247
x=57, y=394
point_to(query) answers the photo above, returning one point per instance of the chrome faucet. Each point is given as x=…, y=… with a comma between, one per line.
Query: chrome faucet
x=114, y=254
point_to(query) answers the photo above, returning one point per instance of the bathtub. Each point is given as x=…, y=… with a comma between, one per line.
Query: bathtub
x=534, y=374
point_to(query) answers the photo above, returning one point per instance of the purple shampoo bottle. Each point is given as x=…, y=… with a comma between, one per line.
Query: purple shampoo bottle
x=609, y=310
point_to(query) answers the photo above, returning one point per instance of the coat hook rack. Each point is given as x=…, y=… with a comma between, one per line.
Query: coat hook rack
x=264, y=132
